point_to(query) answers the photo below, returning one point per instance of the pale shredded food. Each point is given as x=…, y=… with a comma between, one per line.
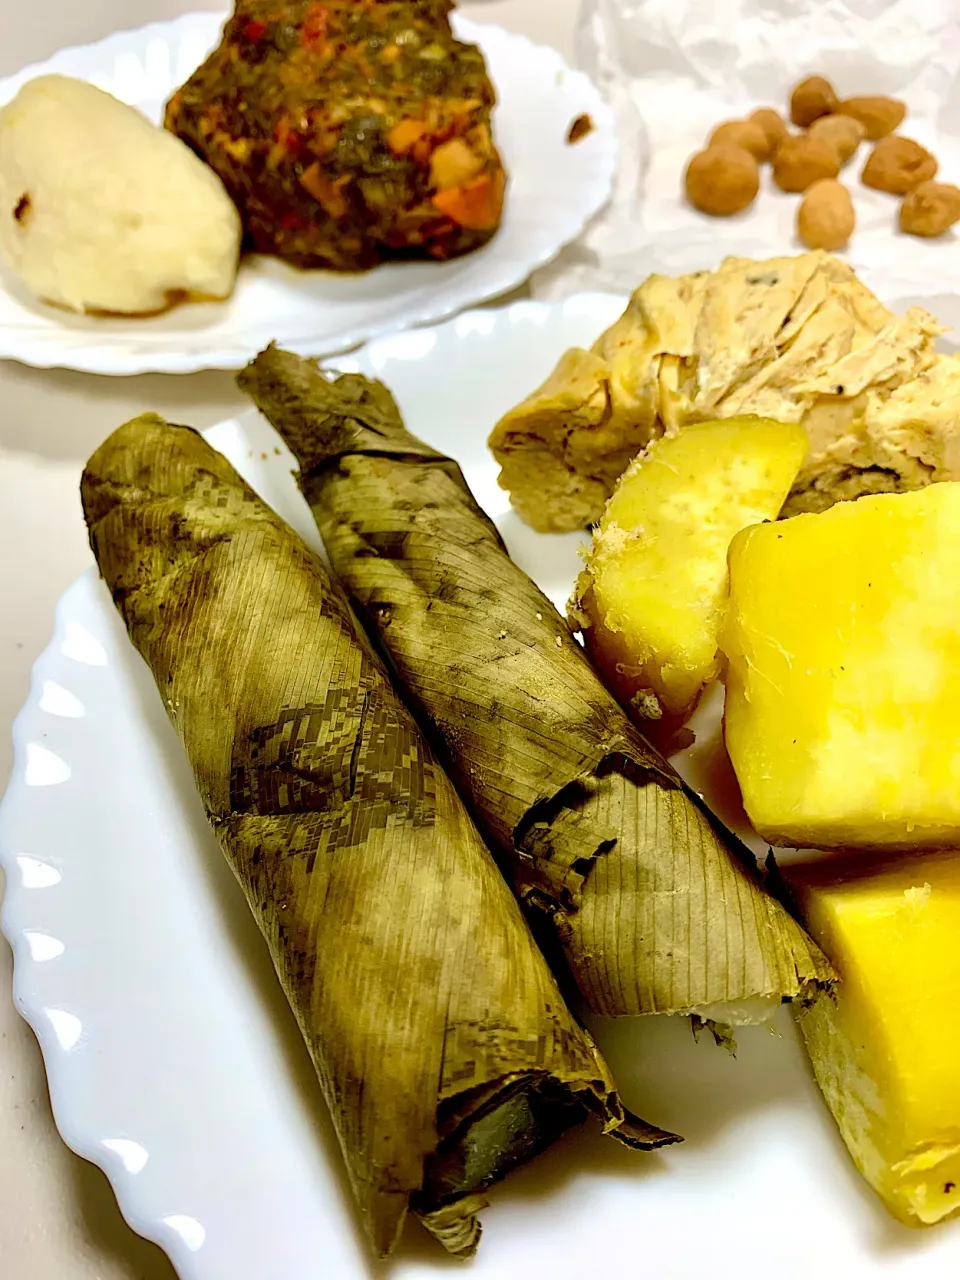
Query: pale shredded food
x=799, y=339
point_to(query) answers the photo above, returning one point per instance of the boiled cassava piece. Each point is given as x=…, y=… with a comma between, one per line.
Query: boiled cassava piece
x=653, y=592
x=843, y=673
x=653, y=908
x=442, y=1042
x=885, y=1049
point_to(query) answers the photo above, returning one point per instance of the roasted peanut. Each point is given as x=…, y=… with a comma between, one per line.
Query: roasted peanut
x=930, y=209
x=898, y=164
x=741, y=133
x=825, y=219
x=843, y=133
x=800, y=161
x=878, y=115
x=722, y=180
x=773, y=125
x=811, y=99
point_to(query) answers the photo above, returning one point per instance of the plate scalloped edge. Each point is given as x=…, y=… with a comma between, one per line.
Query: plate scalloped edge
x=90, y=350
x=24, y=875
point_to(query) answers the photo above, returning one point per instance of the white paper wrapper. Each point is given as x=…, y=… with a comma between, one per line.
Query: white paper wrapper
x=676, y=68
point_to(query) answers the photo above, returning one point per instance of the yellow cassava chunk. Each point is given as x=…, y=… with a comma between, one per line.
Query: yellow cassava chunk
x=843, y=681
x=655, y=586
x=886, y=1050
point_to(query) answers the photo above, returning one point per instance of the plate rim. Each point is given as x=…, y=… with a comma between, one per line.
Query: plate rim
x=120, y=360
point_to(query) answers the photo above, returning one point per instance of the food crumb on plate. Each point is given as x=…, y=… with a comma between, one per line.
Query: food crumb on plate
x=580, y=128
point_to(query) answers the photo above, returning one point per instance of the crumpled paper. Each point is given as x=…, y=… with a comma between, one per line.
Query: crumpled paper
x=674, y=69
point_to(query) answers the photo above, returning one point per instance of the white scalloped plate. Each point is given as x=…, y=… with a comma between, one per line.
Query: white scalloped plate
x=174, y=1062
x=554, y=190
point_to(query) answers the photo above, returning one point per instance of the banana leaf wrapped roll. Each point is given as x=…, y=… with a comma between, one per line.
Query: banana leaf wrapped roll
x=443, y=1045
x=657, y=908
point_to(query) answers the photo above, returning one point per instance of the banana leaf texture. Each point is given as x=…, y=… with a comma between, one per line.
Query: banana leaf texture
x=657, y=908
x=442, y=1042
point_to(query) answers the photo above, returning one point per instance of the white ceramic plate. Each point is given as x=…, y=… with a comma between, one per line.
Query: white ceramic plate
x=173, y=1060
x=554, y=190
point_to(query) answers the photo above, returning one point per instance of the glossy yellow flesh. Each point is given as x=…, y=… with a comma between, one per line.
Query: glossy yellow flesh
x=655, y=587
x=843, y=687
x=887, y=1053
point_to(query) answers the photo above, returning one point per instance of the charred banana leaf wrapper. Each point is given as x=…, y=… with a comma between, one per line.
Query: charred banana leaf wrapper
x=656, y=908
x=441, y=1040
x=348, y=131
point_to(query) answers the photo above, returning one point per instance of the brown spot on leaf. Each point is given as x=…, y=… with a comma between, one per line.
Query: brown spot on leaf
x=21, y=209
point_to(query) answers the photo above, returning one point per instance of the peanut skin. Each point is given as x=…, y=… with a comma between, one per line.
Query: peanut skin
x=930, y=209
x=811, y=99
x=878, y=115
x=898, y=164
x=843, y=133
x=773, y=125
x=825, y=218
x=722, y=180
x=742, y=133
x=800, y=161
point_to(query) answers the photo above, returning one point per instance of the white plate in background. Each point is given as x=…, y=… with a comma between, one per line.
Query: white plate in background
x=554, y=189
x=174, y=1062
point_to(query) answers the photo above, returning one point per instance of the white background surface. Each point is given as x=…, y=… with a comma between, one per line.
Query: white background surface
x=676, y=68
x=58, y=1219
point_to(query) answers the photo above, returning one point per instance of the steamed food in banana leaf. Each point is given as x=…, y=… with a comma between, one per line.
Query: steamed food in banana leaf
x=651, y=903
x=443, y=1045
x=798, y=339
